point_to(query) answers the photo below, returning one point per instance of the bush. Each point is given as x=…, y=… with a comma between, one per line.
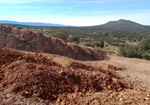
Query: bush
x=142, y=50
x=61, y=34
x=101, y=44
x=73, y=39
x=129, y=51
x=90, y=44
x=144, y=46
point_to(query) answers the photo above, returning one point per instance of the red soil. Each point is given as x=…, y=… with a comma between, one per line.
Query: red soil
x=39, y=76
x=24, y=39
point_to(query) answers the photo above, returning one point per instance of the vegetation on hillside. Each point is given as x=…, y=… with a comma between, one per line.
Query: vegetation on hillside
x=92, y=34
x=107, y=40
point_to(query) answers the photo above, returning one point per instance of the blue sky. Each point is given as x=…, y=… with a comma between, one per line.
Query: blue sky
x=75, y=12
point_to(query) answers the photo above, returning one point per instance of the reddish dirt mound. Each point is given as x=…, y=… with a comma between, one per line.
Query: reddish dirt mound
x=24, y=39
x=126, y=97
x=39, y=76
x=109, y=66
x=7, y=56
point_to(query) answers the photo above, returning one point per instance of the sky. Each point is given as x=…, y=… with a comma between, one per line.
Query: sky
x=75, y=12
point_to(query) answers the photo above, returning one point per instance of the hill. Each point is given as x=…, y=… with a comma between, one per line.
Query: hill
x=24, y=39
x=121, y=24
x=113, y=32
x=118, y=25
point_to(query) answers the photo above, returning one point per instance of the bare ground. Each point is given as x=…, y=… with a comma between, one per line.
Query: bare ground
x=43, y=76
x=131, y=70
x=134, y=70
x=47, y=79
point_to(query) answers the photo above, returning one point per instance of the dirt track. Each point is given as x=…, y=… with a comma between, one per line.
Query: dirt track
x=135, y=70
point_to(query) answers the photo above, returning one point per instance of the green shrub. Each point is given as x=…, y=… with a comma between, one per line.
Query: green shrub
x=90, y=44
x=129, y=51
x=73, y=39
x=101, y=44
x=142, y=50
x=61, y=34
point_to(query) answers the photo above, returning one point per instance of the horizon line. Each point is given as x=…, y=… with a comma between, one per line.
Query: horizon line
x=65, y=25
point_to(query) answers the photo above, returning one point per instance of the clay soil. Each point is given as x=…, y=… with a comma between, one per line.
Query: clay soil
x=24, y=39
x=39, y=75
x=46, y=79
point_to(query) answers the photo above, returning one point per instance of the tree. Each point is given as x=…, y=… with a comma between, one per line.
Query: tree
x=144, y=46
x=142, y=50
x=101, y=44
x=128, y=51
x=74, y=39
x=61, y=34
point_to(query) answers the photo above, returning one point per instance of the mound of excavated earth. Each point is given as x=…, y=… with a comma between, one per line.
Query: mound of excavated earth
x=37, y=75
x=24, y=39
x=46, y=79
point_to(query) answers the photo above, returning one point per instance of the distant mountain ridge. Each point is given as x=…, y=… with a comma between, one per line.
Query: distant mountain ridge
x=122, y=24
x=29, y=23
x=119, y=25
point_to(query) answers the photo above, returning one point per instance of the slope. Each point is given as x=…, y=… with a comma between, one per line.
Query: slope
x=37, y=75
x=43, y=79
x=121, y=25
x=24, y=39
